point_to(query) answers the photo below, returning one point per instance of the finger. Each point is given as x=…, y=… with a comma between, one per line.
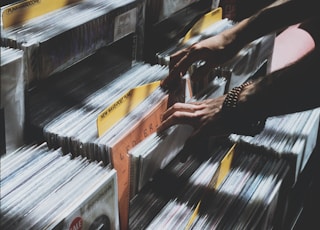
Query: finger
x=176, y=57
x=182, y=107
x=172, y=82
x=181, y=61
x=178, y=66
x=180, y=113
x=184, y=62
x=178, y=117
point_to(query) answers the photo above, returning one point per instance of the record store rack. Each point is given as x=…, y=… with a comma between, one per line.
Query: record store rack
x=80, y=104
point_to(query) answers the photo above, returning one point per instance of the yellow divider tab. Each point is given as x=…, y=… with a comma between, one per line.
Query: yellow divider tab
x=225, y=166
x=193, y=216
x=23, y=11
x=215, y=181
x=125, y=104
x=203, y=23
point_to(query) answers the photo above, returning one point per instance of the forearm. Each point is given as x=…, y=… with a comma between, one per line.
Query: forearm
x=293, y=89
x=279, y=15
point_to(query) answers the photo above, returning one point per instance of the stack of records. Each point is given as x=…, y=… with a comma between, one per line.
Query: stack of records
x=75, y=129
x=67, y=107
x=45, y=189
x=167, y=185
x=154, y=153
x=69, y=89
x=12, y=99
x=51, y=44
x=157, y=150
x=292, y=136
x=182, y=196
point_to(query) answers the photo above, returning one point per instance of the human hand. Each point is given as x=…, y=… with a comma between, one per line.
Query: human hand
x=212, y=51
x=204, y=116
x=196, y=114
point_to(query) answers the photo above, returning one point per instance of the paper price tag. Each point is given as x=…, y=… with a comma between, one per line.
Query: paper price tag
x=125, y=24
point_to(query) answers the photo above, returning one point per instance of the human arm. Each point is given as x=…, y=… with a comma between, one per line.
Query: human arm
x=292, y=89
x=218, y=49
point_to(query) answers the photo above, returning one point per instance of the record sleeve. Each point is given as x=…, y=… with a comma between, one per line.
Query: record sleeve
x=53, y=191
x=310, y=134
x=97, y=209
x=12, y=100
x=290, y=136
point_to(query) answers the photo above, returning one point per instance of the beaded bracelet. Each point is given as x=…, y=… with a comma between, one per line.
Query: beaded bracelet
x=232, y=97
x=252, y=127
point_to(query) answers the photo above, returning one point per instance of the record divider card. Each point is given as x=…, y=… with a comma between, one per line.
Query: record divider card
x=124, y=105
x=145, y=126
x=203, y=23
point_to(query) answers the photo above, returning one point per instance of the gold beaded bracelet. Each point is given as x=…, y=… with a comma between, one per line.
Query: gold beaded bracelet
x=232, y=97
x=249, y=127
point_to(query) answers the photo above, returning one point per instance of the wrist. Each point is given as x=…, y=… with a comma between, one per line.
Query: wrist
x=232, y=98
x=246, y=124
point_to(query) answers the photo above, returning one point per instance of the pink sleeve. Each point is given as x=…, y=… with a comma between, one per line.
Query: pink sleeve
x=289, y=46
